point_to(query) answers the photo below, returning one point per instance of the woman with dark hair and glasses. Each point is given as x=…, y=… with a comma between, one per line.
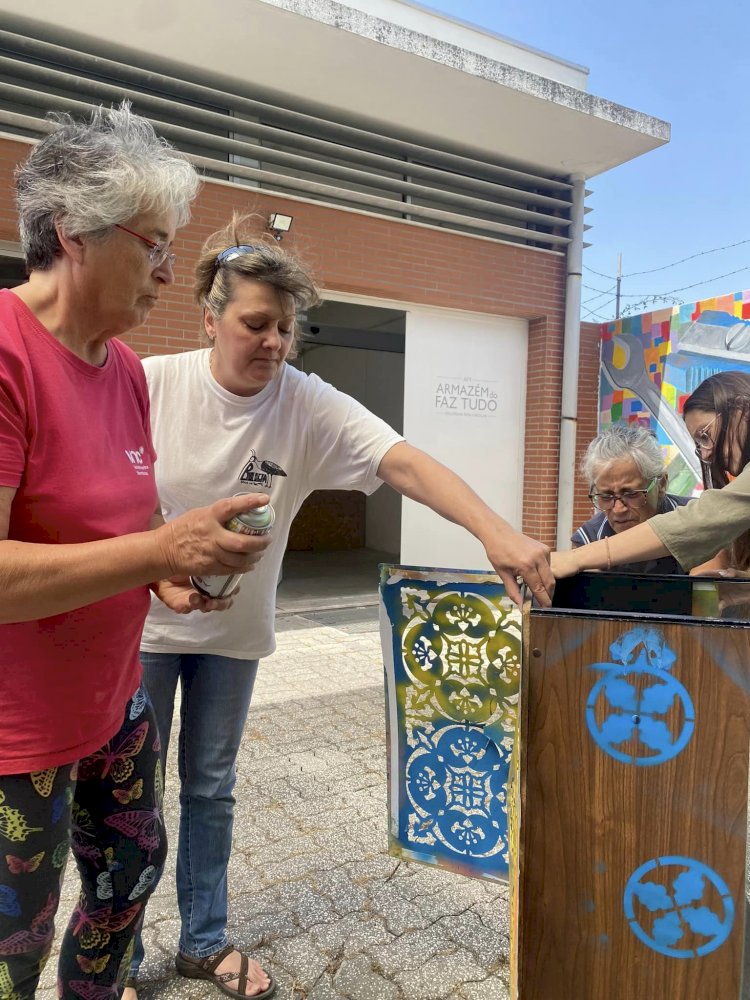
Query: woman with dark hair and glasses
x=624, y=466
x=717, y=416
x=235, y=417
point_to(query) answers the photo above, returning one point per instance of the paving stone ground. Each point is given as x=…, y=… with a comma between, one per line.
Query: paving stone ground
x=314, y=894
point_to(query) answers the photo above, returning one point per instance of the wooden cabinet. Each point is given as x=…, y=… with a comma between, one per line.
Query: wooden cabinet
x=628, y=796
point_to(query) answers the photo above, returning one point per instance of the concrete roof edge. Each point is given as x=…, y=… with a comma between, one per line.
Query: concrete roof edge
x=489, y=33
x=473, y=63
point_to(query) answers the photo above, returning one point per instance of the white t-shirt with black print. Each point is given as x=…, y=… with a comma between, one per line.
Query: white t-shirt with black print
x=298, y=434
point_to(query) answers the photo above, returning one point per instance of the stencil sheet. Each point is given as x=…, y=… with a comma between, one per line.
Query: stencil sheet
x=452, y=654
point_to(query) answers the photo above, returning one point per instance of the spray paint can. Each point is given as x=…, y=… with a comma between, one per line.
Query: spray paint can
x=251, y=522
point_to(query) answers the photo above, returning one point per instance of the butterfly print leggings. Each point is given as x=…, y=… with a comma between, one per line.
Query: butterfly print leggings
x=107, y=807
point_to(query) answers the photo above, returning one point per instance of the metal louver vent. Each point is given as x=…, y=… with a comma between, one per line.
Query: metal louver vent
x=246, y=141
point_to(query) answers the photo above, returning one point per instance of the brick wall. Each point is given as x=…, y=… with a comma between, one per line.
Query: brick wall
x=385, y=259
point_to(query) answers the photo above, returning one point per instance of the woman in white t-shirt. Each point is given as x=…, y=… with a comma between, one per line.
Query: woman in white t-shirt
x=235, y=417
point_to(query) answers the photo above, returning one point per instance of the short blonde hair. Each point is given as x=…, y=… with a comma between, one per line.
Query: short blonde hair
x=260, y=258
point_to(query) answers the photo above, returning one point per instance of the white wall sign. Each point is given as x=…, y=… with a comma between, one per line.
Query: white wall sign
x=464, y=404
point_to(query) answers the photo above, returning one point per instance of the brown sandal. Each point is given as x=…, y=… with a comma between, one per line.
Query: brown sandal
x=204, y=968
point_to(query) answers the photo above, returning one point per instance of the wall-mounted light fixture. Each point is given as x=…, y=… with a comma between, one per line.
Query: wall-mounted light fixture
x=279, y=224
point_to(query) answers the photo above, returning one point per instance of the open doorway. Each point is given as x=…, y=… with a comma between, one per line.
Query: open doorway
x=339, y=537
x=12, y=265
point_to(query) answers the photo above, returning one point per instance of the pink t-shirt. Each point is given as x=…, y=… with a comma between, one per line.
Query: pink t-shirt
x=75, y=444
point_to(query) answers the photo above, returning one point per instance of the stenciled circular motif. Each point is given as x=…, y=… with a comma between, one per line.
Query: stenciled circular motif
x=457, y=787
x=683, y=909
x=638, y=712
x=465, y=655
x=631, y=712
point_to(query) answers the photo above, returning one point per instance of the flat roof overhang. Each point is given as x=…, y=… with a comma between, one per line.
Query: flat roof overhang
x=338, y=62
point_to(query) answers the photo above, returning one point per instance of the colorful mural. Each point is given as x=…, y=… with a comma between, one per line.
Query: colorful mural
x=452, y=650
x=650, y=363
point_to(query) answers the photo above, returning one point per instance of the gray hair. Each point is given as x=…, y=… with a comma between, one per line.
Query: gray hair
x=620, y=441
x=87, y=176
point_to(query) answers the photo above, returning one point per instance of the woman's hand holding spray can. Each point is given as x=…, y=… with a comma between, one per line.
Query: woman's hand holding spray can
x=252, y=522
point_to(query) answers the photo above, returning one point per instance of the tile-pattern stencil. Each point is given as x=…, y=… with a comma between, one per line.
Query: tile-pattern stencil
x=452, y=651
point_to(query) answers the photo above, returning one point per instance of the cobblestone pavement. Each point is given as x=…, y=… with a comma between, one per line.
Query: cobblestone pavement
x=314, y=894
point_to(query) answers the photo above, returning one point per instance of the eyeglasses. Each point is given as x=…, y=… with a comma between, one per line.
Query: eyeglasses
x=158, y=253
x=703, y=440
x=633, y=499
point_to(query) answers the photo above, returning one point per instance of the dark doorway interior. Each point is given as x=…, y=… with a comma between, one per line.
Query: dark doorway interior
x=339, y=537
x=12, y=267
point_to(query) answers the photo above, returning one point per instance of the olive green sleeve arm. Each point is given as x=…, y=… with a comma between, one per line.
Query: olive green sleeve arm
x=696, y=532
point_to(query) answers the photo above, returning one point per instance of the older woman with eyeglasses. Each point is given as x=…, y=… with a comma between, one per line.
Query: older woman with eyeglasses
x=625, y=467
x=715, y=525
x=81, y=542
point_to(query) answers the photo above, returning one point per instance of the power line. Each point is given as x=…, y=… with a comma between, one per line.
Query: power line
x=664, y=267
x=599, y=296
x=684, y=288
x=635, y=307
x=670, y=291
x=702, y=253
x=595, y=312
x=609, y=277
x=601, y=291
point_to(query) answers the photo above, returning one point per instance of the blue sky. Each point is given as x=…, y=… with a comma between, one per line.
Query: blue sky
x=682, y=62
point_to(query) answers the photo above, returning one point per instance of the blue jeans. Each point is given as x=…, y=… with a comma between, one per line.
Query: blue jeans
x=216, y=693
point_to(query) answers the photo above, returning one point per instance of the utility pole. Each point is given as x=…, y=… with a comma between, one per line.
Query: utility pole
x=619, y=280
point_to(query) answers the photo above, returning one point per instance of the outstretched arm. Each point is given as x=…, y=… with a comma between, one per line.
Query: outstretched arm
x=692, y=534
x=634, y=545
x=418, y=476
